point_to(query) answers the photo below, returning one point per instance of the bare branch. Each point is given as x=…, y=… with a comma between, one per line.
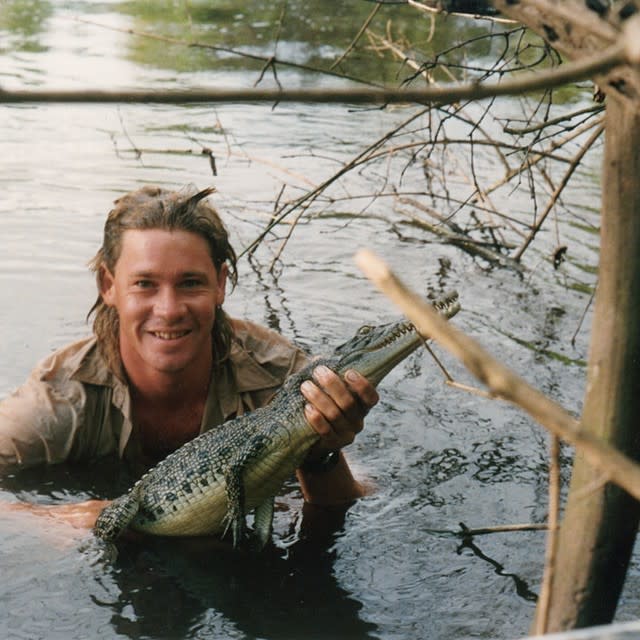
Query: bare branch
x=526, y=82
x=552, y=201
x=542, y=612
x=500, y=380
x=361, y=31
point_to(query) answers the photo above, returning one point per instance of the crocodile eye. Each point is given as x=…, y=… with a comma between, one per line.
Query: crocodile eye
x=365, y=330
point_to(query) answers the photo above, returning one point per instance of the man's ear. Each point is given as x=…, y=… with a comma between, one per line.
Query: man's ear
x=106, y=287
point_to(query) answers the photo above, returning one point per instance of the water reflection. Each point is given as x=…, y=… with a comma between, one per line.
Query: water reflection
x=174, y=585
x=178, y=588
x=201, y=36
x=521, y=586
x=24, y=22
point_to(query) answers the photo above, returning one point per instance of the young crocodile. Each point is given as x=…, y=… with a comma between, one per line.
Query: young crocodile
x=210, y=483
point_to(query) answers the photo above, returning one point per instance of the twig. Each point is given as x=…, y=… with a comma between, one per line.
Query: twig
x=544, y=601
x=504, y=528
x=556, y=194
x=353, y=43
x=468, y=388
x=227, y=50
x=313, y=194
x=438, y=362
x=535, y=158
x=465, y=242
x=466, y=532
x=554, y=121
x=582, y=317
x=204, y=150
x=271, y=61
x=438, y=8
x=500, y=380
x=136, y=150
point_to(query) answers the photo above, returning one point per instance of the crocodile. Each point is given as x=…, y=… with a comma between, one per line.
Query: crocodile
x=208, y=485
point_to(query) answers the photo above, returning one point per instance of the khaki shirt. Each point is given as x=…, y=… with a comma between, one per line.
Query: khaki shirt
x=72, y=407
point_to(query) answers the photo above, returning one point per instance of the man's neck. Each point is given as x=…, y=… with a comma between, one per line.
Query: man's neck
x=169, y=389
x=168, y=409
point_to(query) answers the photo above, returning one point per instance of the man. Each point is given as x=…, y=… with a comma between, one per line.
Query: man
x=166, y=363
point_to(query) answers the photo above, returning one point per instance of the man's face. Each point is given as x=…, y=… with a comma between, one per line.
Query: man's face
x=165, y=289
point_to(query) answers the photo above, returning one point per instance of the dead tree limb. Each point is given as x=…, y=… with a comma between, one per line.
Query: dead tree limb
x=600, y=523
x=544, y=600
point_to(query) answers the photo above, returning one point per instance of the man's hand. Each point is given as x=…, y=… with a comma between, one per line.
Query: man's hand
x=336, y=409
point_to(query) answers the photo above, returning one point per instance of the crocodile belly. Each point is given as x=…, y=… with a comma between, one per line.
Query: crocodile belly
x=190, y=511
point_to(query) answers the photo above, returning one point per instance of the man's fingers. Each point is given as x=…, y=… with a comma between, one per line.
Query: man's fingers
x=337, y=407
x=317, y=421
x=364, y=391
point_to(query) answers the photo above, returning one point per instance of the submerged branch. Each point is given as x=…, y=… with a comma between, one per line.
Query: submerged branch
x=460, y=239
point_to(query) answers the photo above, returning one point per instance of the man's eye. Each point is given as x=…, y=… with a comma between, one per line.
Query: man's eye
x=143, y=284
x=191, y=282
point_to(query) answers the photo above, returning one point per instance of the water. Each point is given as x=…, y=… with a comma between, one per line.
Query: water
x=394, y=565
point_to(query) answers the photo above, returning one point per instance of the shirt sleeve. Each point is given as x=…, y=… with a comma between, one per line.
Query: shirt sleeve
x=39, y=421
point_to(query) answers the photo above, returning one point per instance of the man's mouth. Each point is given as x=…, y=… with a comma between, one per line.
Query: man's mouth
x=169, y=335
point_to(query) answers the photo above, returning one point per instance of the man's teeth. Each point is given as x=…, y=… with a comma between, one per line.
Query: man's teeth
x=169, y=335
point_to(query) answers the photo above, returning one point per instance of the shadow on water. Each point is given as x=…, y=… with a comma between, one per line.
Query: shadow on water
x=521, y=586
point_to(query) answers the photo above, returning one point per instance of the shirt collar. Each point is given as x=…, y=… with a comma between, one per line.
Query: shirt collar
x=243, y=376
x=90, y=367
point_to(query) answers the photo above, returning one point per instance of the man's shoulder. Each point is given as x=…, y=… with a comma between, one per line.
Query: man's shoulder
x=78, y=360
x=255, y=344
x=69, y=355
x=260, y=340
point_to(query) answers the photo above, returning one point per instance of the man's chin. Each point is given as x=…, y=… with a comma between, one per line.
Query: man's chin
x=169, y=365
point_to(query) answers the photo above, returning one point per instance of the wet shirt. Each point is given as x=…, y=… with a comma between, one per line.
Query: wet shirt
x=73, y=408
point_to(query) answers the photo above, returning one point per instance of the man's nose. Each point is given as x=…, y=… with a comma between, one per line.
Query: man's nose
x=169, y=304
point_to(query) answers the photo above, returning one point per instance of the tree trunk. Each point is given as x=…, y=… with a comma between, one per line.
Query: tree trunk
x=598, y=531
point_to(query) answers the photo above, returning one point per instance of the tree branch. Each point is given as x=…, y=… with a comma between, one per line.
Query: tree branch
x=500, y=380
x=600, y=63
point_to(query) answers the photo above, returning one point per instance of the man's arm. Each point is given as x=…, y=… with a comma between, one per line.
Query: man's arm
x=80, y=515
x=336, y=410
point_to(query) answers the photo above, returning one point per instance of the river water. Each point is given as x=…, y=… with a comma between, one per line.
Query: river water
x=394, y=566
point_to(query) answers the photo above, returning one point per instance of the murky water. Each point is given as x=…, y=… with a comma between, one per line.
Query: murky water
x=393, y=566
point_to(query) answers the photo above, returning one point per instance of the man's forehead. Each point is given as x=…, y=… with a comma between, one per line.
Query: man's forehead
x=155, y=251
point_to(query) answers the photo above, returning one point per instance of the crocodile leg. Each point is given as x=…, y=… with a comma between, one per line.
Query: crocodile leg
x=235, y=517
x=263, y=521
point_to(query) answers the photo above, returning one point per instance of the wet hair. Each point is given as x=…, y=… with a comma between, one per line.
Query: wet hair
x=152, y=207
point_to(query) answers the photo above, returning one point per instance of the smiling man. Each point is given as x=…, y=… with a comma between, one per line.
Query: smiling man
x=166, y=363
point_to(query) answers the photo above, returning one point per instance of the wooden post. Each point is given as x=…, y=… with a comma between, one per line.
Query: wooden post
x=600, y=521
